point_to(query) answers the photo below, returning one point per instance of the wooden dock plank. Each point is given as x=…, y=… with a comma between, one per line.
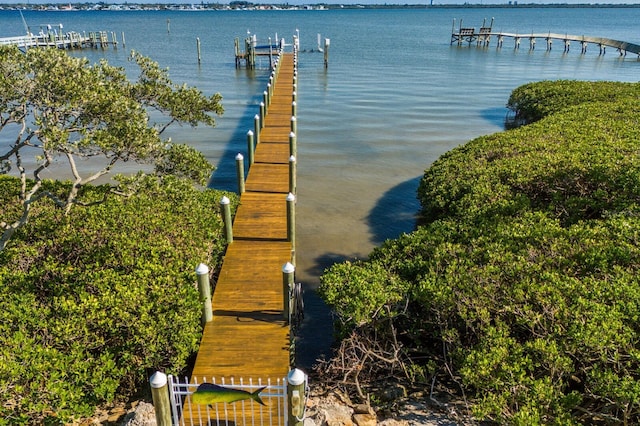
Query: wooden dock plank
x=275, y=134
x=248, y=337
x=261, y=216
x=268, y=177
x=274, y=119
x=273, y=152
x=247, y=308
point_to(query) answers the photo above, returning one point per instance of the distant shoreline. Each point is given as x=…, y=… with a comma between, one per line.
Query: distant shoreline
x=246, y=5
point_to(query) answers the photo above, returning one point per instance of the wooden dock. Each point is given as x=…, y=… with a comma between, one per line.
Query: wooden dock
x=253, y=48
x=482, y=37
x=69, y=40
x=249, y=337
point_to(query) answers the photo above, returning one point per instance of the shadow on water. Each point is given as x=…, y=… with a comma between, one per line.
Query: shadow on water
x=395, y=212
x=497, y=116
x=314, y=337
x=224, y=176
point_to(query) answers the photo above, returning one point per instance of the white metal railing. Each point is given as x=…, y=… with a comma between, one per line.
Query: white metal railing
x=19, y=40
x=60, y=40
x=245, y=412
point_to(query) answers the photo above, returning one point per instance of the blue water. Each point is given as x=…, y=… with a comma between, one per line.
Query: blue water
x=396, y=96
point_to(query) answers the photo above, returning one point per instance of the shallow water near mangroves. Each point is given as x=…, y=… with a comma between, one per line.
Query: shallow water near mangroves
x=395, y=97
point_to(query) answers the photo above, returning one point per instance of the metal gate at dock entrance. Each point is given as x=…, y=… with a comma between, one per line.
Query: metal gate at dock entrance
x=241, y=413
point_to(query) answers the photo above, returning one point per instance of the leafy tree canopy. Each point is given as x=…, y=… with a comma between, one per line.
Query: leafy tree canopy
x=56, y=107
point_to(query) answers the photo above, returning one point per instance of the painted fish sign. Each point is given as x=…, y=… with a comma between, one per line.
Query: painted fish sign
x=209, y=394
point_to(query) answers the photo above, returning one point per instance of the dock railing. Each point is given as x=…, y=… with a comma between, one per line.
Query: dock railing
x=69, y=40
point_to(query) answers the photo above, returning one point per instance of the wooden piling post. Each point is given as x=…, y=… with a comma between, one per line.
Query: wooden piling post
x=202, y=271
x=292, y=174
x=240, y=173
x=198, y=48
x=124, y=44
x=288, y=271
x=263, y=114
x=168, y=26
x=453, y=31
x=251, y=148
x=294, y=125
x=297, y=381
x=294, y=108
x=161, y=401
x=256, y=128
x=291, y=220
x=226, y=217
x=327, y=43
x=265, y=100
x=293, y=144
x=236, y=49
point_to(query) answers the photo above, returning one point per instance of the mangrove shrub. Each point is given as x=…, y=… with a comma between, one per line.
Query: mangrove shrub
x=93, y=301
x=520, y=292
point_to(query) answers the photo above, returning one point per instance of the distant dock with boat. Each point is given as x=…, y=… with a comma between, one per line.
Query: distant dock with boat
x=482, y=38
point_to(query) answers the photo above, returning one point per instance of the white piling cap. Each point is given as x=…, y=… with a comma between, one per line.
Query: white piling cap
x=288, y=268
x=250, y=133
x=202, y=269
x=296, y=377
x=256, y=117
x=291, y=197
x=293, y=118
x=158, y=380
x=292, y=134
x=239, y=157
x=292, y=159
x=225, y=200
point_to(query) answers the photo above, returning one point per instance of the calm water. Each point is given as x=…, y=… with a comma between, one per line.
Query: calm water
x=395, y=97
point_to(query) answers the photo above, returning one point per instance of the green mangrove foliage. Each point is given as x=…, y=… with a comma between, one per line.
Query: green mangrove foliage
x=521, y=290
x=534, y=101
x=92, y=301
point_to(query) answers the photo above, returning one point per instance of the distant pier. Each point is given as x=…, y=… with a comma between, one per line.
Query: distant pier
x=60, y=40
x=252, y=49
x=482, y=37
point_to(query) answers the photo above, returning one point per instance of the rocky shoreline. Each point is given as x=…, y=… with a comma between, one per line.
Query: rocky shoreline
x=327, y=409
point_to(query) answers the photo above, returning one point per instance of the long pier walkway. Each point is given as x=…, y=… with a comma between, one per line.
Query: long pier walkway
x=70, y=40
x=482, y=37
x=249, y=337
